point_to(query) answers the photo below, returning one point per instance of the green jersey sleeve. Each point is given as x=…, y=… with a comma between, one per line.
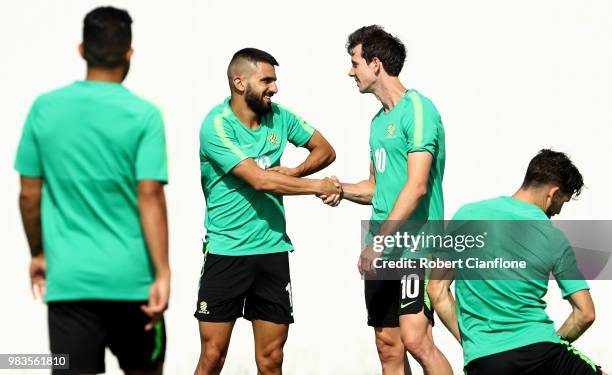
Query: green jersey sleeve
x=28, y=162
x=566, y=272
x=299, y=131
x=421, y=130
x=218, y=143
x=151, y=158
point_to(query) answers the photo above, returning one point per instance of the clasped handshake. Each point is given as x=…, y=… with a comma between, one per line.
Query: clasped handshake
x=328, y=189
x=332, y=191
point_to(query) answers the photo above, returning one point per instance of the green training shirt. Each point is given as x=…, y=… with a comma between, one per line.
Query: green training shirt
x=91, y=142
x=413, y=125
x=239, y=219
x=499, y=315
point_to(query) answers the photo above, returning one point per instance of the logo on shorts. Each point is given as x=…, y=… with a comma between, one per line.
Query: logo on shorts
x=203, y=308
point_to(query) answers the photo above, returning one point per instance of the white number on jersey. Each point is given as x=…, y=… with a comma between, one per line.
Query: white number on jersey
x=263, y=162
x=381, y=159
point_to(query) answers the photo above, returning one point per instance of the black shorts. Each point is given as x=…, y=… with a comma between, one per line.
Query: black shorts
x=536, y=359
x=83, y=330
x=257, y=287
x=386, y=300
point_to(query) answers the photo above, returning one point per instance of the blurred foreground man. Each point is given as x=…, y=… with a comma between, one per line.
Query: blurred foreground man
x=92, y=160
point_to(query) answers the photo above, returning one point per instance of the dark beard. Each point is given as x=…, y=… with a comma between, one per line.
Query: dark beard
x=256, y=103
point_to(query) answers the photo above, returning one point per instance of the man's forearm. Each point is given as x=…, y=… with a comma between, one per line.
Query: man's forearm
x=443, y=303
x=280, y=184
x=29, y=205
x=317, y=159
x=153, y=218
x=361, y=192
x=574, y=326
x=407, y=202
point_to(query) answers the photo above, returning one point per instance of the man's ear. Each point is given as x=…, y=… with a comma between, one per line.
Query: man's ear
x=82, y=50
x=551, y=193
x=239, y=84
x=553, y=190
x=376, y=64
x=129, y=53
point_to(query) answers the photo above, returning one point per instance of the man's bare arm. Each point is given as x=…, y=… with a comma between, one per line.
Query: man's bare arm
x=581, y=317
x=153, y=218
x=29, y=204
x=409, y=198
x=442, y=300
x=277, y=183
x=361, y=192
x=321, y=154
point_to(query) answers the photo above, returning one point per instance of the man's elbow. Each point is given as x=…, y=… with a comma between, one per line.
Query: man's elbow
x=587, y=317
x=419, y=190
x=331, y=155
x=29, y=198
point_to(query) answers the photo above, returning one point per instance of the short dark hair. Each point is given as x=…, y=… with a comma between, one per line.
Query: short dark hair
x=376, y=42
x=552, y=167
x=107, y=35
x=254, y=55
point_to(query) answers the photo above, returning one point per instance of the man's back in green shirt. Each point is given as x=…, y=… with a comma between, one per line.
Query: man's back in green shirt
x=91, y=142
x=500, y=315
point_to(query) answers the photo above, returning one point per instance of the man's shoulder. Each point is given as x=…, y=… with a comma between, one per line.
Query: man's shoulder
x=52, y=96
x=216, y=116
x=478, y=210
x=414, y=95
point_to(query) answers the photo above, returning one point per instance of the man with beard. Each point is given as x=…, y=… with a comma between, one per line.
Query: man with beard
x=246, y=265
x=501, y=320
x=92, y=160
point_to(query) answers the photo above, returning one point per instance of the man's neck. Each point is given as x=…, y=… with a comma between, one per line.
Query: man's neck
x=530, y=196
x=390, y=92
x=115, y=75
x=245, y=114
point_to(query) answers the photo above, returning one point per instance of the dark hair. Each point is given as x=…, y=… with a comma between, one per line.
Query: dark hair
x=254, y=55
x=551, y=167
x=376, y=42
x=107, y=35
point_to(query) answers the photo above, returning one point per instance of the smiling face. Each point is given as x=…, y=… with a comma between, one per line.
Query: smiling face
x=365, y=74
x=260, y=87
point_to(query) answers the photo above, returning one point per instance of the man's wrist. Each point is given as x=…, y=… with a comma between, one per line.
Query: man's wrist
x=162, y=273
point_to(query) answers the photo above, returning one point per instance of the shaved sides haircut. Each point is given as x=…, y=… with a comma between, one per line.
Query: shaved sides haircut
x=247, y=58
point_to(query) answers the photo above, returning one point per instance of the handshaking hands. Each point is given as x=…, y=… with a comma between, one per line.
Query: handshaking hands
x=331, y=191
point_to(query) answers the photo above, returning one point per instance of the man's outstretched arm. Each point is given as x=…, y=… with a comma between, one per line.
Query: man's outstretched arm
x=278, y=183
x=153, y=218
x=361, y=192
x=581, y=317
x=321, y=154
